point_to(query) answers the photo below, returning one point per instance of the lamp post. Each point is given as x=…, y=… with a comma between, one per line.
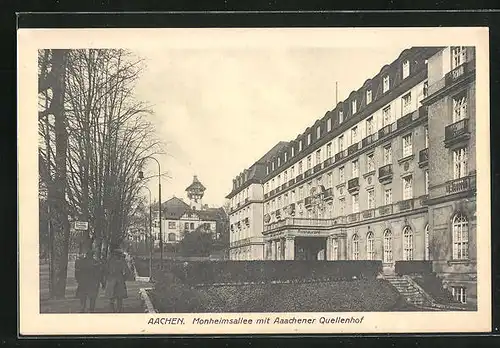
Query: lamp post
x=141, y=176
x=151, y=241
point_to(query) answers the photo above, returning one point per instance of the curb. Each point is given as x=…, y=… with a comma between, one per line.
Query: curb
x=143, y=292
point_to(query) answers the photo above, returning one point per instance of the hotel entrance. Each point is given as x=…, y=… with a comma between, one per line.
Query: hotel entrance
x=310, y=248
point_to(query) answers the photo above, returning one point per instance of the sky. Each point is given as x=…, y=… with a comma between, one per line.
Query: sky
x=218, y=110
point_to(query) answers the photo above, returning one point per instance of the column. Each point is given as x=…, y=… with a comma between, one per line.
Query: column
x=290, y=248
x=329, y=248
x=343, y=248
x=273, y=250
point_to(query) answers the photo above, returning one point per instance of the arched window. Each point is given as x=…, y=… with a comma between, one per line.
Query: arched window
x=426, y=241
x=407, y=244
x=355, y=247
x=387, y=246
x=335, y=249
x=171, y=237
x=370, y=246
x=460, y=237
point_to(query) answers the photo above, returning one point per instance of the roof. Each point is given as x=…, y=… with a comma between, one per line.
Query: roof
x=274, y=150
x=174, y=208
x=196, y=185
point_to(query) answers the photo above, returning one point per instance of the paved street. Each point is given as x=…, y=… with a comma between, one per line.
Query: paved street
x=133, y=304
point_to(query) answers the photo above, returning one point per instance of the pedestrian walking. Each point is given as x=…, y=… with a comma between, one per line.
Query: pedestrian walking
x=117, y=272
x=89, y=275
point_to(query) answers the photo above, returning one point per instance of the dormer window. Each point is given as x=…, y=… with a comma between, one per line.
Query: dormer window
x=318, y=132
x=286, y=156
x=458, y=55
x=272, y=165
x=329, y=125
x=354, y=105
x=267, y=170
x=300, y=145
x=293, y=151
x=385, y=84
x=279, y=161
x=341, y=116
x=406, y=69
x=309, y=139
x=368, y=96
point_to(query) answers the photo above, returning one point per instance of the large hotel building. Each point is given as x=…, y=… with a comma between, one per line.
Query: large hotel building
x=388, y=174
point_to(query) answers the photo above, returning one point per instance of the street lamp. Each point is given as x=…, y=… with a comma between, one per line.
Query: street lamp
x=141, y=176
x=151, y=241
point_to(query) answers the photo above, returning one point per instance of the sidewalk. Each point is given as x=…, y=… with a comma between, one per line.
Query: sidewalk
x=132, y=304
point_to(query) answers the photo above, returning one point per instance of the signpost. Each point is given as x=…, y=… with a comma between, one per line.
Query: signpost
x=81, y=225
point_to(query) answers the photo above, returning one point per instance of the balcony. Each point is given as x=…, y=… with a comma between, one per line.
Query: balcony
x=368, y=214
x=459, y=73
x=352, y=149
x=246, y=200
x=353, y=185
x=307, y=173
x=369, y=139
x=291, y=182
x=299, y=177
x=340, y=155
x=238, y=205
x=291, y=209
x=353, y=217
x=278, y=189
x=271, y=193
x=328, y=194
x=385, y=210
x=266, y=195
x=382, y=133
x=308, y=202
x=385, y=173
x=284, y=186
x=456, y=132
x=247, y=221
x=404, y=121
x=317, y=168
x=232, y=228
x=423, y=157
x=278, y=214
x=407, y=204
x=459, y=185
x=327, y=162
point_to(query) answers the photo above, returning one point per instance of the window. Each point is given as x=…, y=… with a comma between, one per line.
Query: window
x=278, y=181
x=458, y=56
x=426, y=89
x=341, y=175
x=272, y=165
x=355, y=168
x=370, y=246
x=329, y=181
x=286, y=156
x=406, y=69
x=387, y=155
x=293, y=151
x=329, y=150
x=354, y=105
x=426, y=131
x=273, y=186
x=460, y=237
x=406, y=104
x=341, y=116
x=191, y=226
x=171, y=237
x=267, y=187
x=300, y=145
x=426, y=242
x=309, y=139
x=279, y=161
x=301, y=192
x=309, y=162
x=292, y=196
x=369, y=126
x=300, y=167
x=386, y=116
x=318, y=132
x=371, y=199
x=318, y=156
x=186, y=225
x=285, y=177
x=267, y=170
x=355, y=247
x=335, y=250
x=459, y=293
x=387, y=246
x=368, y=96
x=341, y=143
x=459, y=107
x=370, y=164
x=292, y=172
x=426, y=178
x=171, y=224
x=385, y=86
x=342, y=205
x=407, y=244
x=328, y=124
x=388, y=196
x=407, y=187
x=407, y=146
x=460, y=163
x=354, y=135
x=355, y=203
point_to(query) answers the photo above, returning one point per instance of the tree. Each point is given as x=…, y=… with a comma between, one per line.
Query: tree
x=196, y=243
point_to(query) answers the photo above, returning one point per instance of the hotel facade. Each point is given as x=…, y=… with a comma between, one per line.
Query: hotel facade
x=388, y=174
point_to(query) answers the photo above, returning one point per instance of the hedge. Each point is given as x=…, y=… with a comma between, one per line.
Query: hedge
x=413, y=267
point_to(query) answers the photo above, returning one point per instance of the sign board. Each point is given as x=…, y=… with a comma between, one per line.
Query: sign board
x=81, y=225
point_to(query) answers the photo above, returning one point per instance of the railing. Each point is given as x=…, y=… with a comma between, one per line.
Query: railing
x=459, y=72
x=307, y=173
x=327, y=162
x=423, y=156
x=385, y=210
x=302, y=222
x=456, y=129
x=317, y=168
x=353, y=184
x=459, y=185
x=328, y=194
x=369, y=139
x=352, y=149
x=246, y=221
x=299, y=177
x=266, y=195
x=340, y=155
x=246, y=200
x=353, y=217
x=238, y=205
x=308, y=201
x=278, y=189
x=368, y=214
x=384, y=131
x=385, y=172
x=271, y=193
x=245, y=241
x=404, y=121
x=284, y=186
x=291, y=182
x=407, y=204
x=278, y=213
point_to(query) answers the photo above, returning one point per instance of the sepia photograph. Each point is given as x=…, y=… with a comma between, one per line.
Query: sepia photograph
x=290, y=179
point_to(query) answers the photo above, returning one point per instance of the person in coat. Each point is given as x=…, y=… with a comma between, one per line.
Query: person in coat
x=89, y=275
x=117, y=272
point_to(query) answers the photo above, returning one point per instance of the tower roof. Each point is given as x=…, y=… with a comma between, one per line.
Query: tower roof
x=196, y=185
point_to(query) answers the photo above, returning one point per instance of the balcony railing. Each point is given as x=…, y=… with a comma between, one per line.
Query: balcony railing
x=246, y=199
x=407, y=204
x=328, y=194
x=423, y=157
x=278, y=189
x=308, y=201
x=368, y=214
x=385, y=172
x=404, y=121
x=307, y=173
x=385, y=210
x=353, y=184
x=385, y=131
x=278, y=214
x=291, y=182
x=352, y=149
x=246, y=221
x=327, y=162
x=317, y=168
x=284, y=186
x=271, y=193
x=238, y=205
x=459, y=72
x=456, y=132
x=369, y=139
x=340, y=155
x=459, y=185
x=266, y=195
x=353, y=217
x=291, y=209
x=299, y=177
